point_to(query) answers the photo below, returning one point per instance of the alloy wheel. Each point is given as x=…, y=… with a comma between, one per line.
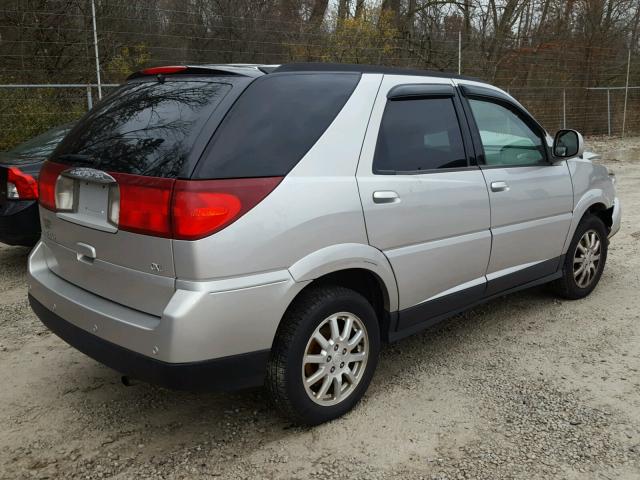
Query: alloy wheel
x=586, y=258
x=335, y=358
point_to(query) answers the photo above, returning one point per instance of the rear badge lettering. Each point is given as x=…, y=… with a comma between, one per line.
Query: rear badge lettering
x=156, y=267
x=90, y=174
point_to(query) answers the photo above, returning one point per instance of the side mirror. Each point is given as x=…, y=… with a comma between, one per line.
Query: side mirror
x=568, y=143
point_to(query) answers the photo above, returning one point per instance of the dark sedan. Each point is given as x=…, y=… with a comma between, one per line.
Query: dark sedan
x=19, y=170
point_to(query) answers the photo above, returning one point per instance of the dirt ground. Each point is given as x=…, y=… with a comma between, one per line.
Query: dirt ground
x=527, y=386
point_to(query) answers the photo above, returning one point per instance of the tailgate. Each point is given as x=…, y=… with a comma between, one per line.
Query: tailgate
x=105, y=193
x=130, y=269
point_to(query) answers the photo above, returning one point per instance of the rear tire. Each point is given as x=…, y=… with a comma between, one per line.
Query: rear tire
x=324, y=355
x=585, y=259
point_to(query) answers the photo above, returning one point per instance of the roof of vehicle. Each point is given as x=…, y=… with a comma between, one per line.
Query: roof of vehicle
x=257, y=70
x=363, y=68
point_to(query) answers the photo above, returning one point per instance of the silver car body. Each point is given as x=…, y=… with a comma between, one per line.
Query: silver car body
x=442, y=233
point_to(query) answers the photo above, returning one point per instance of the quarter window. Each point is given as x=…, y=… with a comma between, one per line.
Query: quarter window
x=506, y=138
x=417, y=135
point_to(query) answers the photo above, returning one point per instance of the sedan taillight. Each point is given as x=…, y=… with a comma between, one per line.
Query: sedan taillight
x=21, y=186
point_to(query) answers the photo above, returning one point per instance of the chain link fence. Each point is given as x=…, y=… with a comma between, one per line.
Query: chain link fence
x=57, y=55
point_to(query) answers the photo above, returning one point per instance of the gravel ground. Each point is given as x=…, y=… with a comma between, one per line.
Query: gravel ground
x=527, y=387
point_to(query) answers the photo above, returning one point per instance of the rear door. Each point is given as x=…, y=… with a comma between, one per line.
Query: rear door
x=117, y=168
x=425, y=203
x=531, y=196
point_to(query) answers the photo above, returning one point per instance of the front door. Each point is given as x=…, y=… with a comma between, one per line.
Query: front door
x=425, y=204
x=531, y=196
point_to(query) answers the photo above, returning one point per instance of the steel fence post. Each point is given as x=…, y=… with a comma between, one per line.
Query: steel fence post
x=626, y=95
x=459, y=52
x=89, y=98
x=564, y=108
x=95, y=43
x=609, y=111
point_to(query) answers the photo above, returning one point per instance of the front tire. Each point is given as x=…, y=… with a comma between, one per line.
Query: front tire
x=585, y=259
x=324, y=355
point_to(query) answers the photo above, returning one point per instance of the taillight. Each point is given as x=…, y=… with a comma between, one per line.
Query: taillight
x=47, y=184
x=163, y=207
x=144, y=205
x=64, y=194
x=203, y=207
x=164, y=70
x=21, y=186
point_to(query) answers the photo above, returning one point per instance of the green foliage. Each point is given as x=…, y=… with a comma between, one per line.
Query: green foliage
x=25, y=113
x=371, y=38
x=126, y=61
x=28, y=112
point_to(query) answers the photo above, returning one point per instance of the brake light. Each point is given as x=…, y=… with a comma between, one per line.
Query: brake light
x=21, y=186
x=203, y=207
x=47, y=184
x=168, y=70
x=163, y=207
x=144, y=205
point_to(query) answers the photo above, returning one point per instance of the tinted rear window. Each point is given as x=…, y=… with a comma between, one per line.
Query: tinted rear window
x=145, y=128
x=274, y=123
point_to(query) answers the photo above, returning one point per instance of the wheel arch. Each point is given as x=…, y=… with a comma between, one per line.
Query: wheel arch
x=594, y=202
x=348, y=257
x=359, y=267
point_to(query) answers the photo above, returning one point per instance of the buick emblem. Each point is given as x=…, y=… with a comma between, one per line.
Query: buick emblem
x=90, y=174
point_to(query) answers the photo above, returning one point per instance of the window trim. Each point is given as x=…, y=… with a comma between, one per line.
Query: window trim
x=421, y=91
x=498, y=98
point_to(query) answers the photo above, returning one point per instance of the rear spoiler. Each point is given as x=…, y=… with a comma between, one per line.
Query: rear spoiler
x=219, y=70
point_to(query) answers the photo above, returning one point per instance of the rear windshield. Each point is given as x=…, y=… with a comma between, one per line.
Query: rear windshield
x=274, y=123
x=144, y=128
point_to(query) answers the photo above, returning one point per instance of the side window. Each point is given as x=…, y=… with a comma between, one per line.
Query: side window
x=419, y=134
x=506, y=138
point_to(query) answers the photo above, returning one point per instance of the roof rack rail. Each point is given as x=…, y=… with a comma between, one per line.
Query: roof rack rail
x=363, y=68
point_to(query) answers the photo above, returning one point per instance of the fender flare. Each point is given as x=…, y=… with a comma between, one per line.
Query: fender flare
x=346, y=256
x=590, y=198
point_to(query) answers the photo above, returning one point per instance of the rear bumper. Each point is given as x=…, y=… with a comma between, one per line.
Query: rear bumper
x=19, y=223
x=222, y=374
x=219, y=330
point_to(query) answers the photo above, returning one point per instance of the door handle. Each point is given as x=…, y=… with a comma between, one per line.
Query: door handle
x=499, y=186
x=385, y=196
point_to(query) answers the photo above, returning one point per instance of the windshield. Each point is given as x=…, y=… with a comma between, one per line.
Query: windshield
x=144, y=128
x=36, y=148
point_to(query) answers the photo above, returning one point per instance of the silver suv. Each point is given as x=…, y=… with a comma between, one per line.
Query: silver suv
x=227, y=226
